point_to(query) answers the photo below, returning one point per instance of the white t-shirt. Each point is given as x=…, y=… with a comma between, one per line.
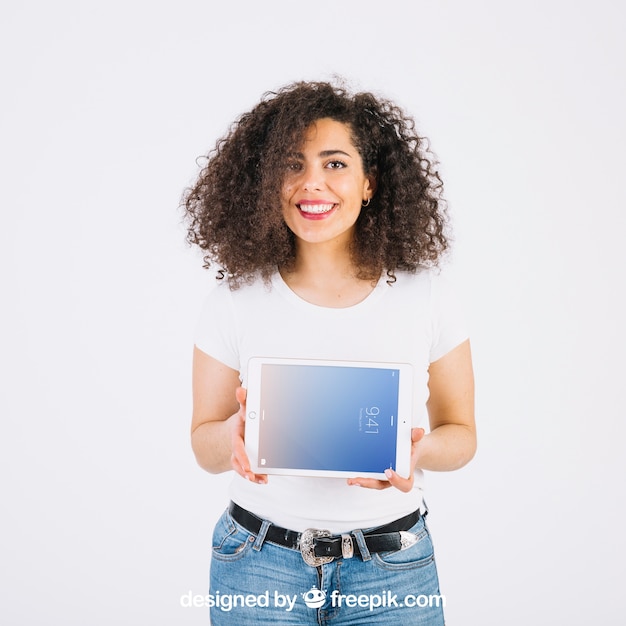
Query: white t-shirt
x=414, y=320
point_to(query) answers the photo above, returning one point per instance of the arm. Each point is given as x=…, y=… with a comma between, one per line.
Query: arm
x=451, y=442
x=217, y=424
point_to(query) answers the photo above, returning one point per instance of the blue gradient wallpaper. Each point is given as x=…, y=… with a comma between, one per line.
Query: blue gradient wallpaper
x=328, y=418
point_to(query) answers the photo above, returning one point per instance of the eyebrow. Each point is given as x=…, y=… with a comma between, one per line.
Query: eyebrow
x=323, y=154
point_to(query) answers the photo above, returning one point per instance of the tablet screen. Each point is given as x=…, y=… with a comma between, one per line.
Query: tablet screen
x=321, y=417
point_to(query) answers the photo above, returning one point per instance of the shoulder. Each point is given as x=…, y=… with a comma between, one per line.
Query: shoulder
x=430, y=290
x=433, y=279
x=418, y=283
x=222, y=291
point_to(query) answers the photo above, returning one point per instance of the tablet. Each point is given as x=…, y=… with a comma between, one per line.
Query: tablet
x=328, y=418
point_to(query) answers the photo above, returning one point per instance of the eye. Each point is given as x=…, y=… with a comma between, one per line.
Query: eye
x=335, y=165
x=294, y=166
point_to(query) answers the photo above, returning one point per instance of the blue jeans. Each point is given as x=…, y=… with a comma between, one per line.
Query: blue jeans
x=254, y=581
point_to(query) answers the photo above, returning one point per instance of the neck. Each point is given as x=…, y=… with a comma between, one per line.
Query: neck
x=326, y=276
x=323, y=262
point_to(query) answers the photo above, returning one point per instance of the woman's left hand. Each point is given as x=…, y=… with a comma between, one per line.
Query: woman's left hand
x=395, y=480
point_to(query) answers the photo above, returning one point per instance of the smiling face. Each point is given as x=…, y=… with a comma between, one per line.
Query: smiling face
x=325, y=185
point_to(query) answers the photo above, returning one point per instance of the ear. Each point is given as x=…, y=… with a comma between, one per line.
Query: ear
x=369, y=186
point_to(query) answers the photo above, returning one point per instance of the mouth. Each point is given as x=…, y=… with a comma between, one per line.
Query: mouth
x=315, y=209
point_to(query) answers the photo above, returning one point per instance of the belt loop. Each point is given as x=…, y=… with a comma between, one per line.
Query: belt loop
x=260, y=538
x=360, y=541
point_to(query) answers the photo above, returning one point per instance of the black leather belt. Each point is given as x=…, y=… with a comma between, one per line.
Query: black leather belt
x=319, y=546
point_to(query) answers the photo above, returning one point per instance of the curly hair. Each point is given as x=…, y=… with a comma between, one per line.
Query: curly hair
x=234, y=211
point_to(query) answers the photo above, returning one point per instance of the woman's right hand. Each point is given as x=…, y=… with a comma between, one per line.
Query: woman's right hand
x=239, y=459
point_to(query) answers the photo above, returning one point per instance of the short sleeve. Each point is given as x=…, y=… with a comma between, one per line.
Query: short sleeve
x=216, y=330
x=448, y=318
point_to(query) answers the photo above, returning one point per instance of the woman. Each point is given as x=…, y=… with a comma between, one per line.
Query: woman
x=324, y=211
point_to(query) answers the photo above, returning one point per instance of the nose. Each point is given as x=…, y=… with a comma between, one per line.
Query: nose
x=312, y=179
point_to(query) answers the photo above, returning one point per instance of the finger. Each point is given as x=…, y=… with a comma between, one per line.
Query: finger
x=238, y=467
x=242, y=467
x=417, y=434
x=241, y=463
x=239, y=459
x=241, y=395
x=397, y=481
x=369, y=483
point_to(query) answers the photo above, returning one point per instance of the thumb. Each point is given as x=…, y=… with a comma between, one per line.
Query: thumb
x=417, y=434
x=240, y=395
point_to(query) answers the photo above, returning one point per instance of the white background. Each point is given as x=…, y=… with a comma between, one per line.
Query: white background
x=104, y=109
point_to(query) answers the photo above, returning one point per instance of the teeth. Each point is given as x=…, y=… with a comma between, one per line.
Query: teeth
x=316, y=208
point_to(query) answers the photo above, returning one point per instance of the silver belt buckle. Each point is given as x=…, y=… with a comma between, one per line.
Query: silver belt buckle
x=347, y=547
x=307, y=548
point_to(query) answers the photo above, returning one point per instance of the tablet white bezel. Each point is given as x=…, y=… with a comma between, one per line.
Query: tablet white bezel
x=404, y=417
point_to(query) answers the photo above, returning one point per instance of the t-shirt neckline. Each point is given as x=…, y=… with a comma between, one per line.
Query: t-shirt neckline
x=296, y=300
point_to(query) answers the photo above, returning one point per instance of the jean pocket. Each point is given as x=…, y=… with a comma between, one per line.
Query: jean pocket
x=419, y=554
x=230, y=541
